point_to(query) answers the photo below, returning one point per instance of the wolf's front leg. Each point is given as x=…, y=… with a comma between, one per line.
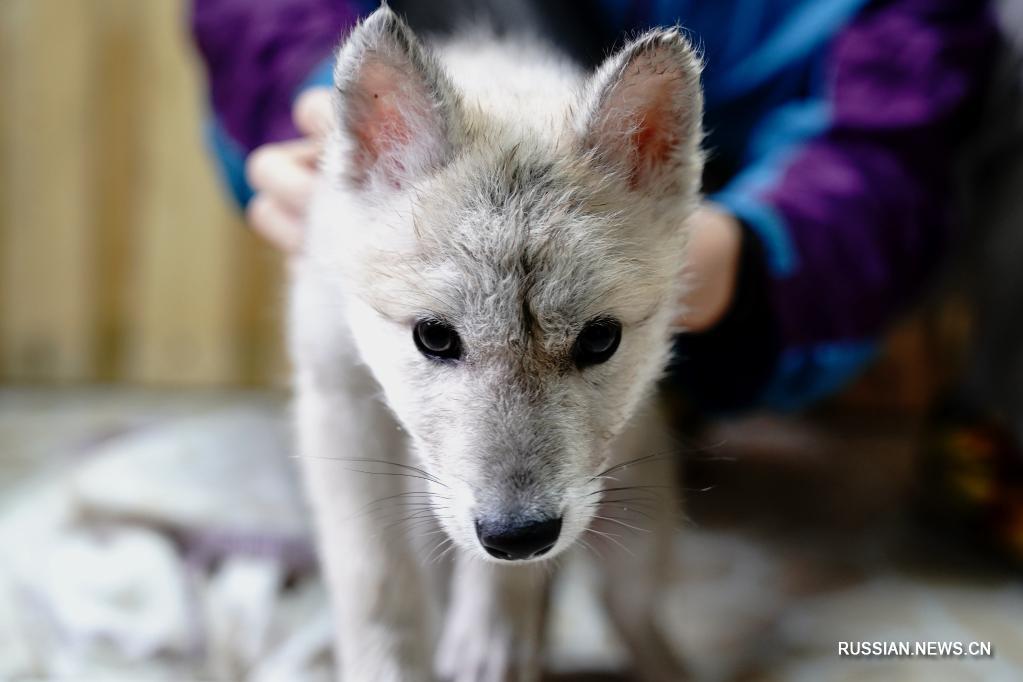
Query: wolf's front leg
x=375, y=585
x=494, y=625
x=635, y=526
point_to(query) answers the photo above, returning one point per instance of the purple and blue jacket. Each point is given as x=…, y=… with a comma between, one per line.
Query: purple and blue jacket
x=833, y=127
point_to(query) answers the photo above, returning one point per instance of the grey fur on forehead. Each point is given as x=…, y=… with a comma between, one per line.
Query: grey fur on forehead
x=527, y=231
x=514, y=203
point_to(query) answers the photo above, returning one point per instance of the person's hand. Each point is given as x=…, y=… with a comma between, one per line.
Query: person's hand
x=714, y=244
x=283, y=174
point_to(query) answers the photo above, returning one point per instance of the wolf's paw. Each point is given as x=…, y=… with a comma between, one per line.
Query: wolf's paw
x=487, y=649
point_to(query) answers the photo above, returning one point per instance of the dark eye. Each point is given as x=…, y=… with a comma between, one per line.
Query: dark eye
x=436, y=339
x=597, y=342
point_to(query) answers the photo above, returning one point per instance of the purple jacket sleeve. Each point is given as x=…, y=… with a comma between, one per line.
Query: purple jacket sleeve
x=258, y=53
x=853, y=215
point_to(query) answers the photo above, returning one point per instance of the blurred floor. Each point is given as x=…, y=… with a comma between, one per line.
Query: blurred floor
x=801, y=534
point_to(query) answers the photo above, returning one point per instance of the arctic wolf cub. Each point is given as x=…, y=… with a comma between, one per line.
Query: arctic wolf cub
x=481, y=311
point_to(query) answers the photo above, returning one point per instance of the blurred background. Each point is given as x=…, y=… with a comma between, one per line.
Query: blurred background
x=150, y=526
x=122, y=260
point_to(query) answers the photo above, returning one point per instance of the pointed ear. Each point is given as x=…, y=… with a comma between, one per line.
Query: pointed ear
x=398, y=113
x=642, y=116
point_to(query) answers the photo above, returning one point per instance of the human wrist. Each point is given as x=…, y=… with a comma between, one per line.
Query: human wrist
x=714, y=248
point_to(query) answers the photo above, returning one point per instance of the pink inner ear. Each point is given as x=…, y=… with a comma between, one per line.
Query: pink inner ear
x=377, y=122
x=383, y=130
x=654, y=136
x=384, y=109
x=641, y=124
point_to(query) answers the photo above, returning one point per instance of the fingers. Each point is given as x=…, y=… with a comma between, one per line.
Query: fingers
x=280, y=227
x=286, y=171
x=313, y=112
x=283, y=174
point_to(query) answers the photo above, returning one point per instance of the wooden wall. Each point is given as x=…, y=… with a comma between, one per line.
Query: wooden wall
x=120, y=257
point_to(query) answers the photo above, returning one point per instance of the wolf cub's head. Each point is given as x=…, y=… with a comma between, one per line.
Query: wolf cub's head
x=511, y=265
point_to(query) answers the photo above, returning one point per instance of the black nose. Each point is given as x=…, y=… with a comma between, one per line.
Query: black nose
x=518, y=540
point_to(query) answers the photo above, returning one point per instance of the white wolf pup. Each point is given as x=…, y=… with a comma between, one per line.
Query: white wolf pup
x=482, y=308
